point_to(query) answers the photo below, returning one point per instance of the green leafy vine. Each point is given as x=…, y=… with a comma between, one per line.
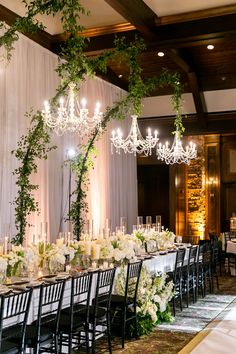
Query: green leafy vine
x=32, y=146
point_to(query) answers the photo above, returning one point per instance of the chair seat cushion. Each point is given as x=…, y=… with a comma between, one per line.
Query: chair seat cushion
x=118, y=301
x=12, y=331
x=100, y=313
x=9, y=347
x=65, y=325
x=13, y=334
x=46, y=334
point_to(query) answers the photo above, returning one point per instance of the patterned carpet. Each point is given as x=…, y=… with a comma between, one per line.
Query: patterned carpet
x=172, y=337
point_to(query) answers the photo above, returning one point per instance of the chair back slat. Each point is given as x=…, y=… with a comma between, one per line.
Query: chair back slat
x=80, y=294
x=207, y=256
x=14, y=308
x=50, y=303
x=105, y=279
x=179, y=261
x=180, y=255
x=192, y=255
x=132, y=280
x=200, y=253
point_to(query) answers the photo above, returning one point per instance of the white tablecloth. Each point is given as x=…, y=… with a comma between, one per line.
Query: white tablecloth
x=231, y=248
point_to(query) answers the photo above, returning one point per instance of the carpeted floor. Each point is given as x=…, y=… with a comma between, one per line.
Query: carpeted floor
x=172, y=337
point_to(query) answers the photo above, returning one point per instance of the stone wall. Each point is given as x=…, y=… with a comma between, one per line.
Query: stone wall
x=196, y=191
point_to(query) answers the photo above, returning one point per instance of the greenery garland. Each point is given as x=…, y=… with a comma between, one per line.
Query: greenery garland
x=75, y=69
x=32, y=146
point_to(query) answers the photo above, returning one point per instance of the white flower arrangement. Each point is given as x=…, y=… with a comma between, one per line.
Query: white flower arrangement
x=162, y=240
x=154, y=293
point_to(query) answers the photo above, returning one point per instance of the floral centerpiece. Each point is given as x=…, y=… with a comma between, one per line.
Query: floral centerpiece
x=154, y=294
x=120, y=248
x=161, y=240
x=15, y=259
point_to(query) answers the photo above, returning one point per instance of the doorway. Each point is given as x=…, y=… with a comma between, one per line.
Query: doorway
x=153, y=192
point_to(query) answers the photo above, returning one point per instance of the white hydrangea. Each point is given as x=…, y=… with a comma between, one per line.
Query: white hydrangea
x=154, y=293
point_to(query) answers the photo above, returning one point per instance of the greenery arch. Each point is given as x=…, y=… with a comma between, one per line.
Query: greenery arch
x=36, y=143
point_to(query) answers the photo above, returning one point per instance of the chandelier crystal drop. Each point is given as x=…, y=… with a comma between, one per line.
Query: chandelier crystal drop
x=176, y=153
x=71, y=116
x=134, y=143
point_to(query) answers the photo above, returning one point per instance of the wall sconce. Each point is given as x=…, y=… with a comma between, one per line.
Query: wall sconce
x=212, y=181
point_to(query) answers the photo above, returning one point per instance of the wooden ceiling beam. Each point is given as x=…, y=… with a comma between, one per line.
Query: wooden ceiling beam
x=138, y=14
x=198, y=98
x=179, y=35
x=223, y=122
x=199, y=29
x=111, y=77
x=197, y=15
x=51, y=43
x=43, y=38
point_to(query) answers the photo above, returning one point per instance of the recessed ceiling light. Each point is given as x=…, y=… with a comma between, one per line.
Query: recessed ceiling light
x=160, y=54
x=120, y=76
x=223, y=78
x=210, y=46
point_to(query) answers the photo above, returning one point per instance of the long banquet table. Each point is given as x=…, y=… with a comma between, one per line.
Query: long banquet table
x=158, y=263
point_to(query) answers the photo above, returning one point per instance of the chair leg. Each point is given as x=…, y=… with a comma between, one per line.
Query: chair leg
x=187, y=293
x=93, y=338
x=181, y=298
x=135, y=323
x=173, y=305
x=87, y=338
x=123, y=328
x=109, y=333
x=210, y=280
x=70, y=343
x=60, y=343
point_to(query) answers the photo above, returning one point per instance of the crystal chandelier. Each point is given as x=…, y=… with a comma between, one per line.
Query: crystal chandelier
x=134, y=143
x=176, y=154
x=70, y=116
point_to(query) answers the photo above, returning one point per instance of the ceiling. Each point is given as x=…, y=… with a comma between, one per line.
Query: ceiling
x=181, y=29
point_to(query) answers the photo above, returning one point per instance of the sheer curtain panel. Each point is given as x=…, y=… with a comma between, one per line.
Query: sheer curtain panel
x=25, y=83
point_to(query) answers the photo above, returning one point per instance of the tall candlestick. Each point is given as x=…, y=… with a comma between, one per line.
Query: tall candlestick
x=96, y=251
x=88, y=248
x=5, y=244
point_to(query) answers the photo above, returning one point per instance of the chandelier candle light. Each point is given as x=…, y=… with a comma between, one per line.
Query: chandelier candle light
x=71, y=116
x=176, y=154
x=134, y=143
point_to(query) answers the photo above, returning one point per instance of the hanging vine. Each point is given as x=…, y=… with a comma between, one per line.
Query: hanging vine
x=76, y=67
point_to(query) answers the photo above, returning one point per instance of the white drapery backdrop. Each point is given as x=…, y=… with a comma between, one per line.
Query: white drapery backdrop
x=26, y=82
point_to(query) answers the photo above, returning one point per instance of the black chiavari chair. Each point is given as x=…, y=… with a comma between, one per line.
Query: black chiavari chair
x=75, y=318
x=14, y=310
